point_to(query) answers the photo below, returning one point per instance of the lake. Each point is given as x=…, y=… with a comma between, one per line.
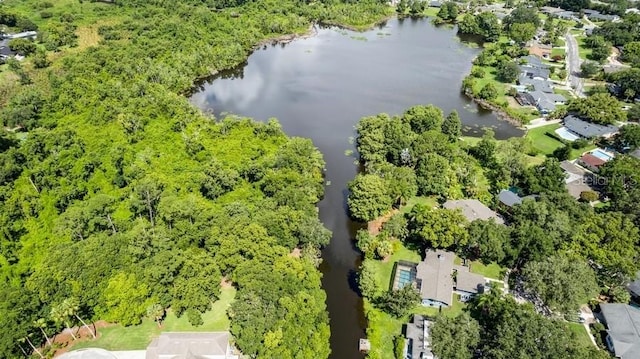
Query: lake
x=319, y=87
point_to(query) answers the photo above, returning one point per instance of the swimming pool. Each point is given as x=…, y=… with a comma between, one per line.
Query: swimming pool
x=405, y=277
x=566, y=134
x=605, y=156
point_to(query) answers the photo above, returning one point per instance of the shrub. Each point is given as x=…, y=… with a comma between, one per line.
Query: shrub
x=398, y=347
x=589, y=196
x=46, y=14
x=580, y=143
x=488, y=92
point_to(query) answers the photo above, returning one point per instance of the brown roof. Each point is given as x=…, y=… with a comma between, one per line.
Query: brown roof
x=592, y=160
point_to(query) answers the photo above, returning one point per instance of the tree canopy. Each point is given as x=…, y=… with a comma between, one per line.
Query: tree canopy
x=601, y=108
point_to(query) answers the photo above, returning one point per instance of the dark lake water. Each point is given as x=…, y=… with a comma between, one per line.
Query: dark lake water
x=319, y=87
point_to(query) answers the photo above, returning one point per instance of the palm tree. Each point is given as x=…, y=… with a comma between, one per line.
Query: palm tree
x=31, y=345
x=156, y=312
x=72, y=308
x=41, y=324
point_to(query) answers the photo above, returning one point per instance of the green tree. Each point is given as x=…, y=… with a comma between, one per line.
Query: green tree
x=368, y=197
x=562, y=153
x=437, y=228
x=609, y=240
x=455, y=338
x=487, y=240
x=156, y=312
x=508, y=72
x=24, y=47
x=522, y=32
x=452, y=126
x=562, y=283
x=523, y=15
x=399, y=302
x=488, y=92
x=367, y=280
x=433, y=175
x=589, y=69
x=631, y=53
x=634, y=113
x=485, y=150
x=602, y=109
x=126, y=299
x=423, y=118
x=628, y=137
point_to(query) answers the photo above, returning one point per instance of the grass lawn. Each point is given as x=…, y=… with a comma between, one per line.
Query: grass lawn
x=557, y=51
x=383, y=328
x=541, y=142
x=431, y=11
x=384, y=269
x=492, y=270
x=581, y=333
x=428, y=201
x=583, y=51
x=470, y=140
x=565, y=93
x=137, y=337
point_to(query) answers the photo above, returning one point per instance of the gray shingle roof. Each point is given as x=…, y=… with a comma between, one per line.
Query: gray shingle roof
x=435, y=276
x=634, y=287
x=586, y=129
x=181, y=345
x=469, y=282
x=473, y=209
x=623, y=322
x=509, y=198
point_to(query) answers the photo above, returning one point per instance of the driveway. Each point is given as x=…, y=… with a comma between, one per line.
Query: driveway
x=573, y=64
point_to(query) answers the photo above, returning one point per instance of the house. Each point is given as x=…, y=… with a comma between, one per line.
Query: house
x=598, y=16
x=541, y=50
x=206, y=345
x=437, y=279
x=468, y=284
x=577, y=180
x=535, y=83
x=612, y=69
x=418, y=343
x=22, y=35
x=434, y=278
x=435, y=4
x=591, y=162
x=525, y=99
x=96, y=353
x=623, y=329
x=186, y=345
x=547, y=102
x=634, y=289
x=588, y=130
x=473, y=209
x=508, y=198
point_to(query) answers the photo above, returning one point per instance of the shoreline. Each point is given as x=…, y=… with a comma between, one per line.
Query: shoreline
x=495, y=109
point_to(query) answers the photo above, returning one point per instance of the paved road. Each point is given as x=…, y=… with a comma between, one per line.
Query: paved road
x=573, y=64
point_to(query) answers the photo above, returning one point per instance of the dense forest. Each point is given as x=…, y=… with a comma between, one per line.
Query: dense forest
x=561, y=252
x=119, y=199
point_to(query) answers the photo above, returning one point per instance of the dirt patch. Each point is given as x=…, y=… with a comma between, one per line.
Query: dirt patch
x=539, y=51
x=65, y=341
x=296, y=253
x=375, y=226
x=225, y=283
